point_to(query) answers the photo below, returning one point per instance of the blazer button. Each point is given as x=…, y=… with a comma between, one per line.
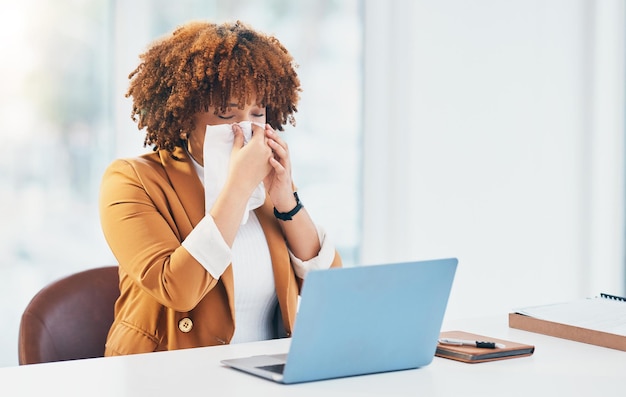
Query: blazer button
x=185, y=325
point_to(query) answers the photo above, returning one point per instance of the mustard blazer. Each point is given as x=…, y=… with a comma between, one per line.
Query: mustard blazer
x=148, y=205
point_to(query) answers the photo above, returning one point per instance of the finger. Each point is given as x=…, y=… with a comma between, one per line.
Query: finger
x=239, y=139
x=271, y=134
x=279, y=150
x=257, y=132
x=279, y=169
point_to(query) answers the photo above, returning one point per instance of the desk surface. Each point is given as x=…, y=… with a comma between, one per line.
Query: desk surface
x=558, y=367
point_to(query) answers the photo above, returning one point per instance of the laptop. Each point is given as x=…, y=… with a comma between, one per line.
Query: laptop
x=361, y=320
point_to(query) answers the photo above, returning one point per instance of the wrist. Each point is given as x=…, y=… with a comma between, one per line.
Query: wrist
x=288, y=215
x=285, y=203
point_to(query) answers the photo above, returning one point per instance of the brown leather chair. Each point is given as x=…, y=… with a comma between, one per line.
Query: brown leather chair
x=69, y=318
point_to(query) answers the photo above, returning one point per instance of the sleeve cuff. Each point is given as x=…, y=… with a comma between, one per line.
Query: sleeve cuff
x=322, y=261
x=206, y=244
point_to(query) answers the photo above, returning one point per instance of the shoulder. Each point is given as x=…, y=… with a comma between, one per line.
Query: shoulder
x=145, y=161
x=149, y=165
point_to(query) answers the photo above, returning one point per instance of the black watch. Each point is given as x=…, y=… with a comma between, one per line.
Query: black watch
x=287, y=216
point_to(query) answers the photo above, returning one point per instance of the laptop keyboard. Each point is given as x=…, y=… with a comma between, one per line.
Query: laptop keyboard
x=276, y=368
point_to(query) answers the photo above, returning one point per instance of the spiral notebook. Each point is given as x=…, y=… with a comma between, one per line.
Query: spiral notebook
x=599, y=320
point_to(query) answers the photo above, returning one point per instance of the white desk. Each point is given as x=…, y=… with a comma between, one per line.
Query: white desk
x=558, y=368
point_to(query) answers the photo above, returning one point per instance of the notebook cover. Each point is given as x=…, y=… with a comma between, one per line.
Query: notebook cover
x=565, y=331
x=471, y=354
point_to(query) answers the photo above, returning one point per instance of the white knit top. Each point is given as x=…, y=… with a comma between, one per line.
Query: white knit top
x=255, y=295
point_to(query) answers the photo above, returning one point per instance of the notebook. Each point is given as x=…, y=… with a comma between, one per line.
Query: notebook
x=505, y=349
x=362, y=320
x=599, y=321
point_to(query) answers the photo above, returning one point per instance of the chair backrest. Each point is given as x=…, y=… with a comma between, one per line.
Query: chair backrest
x=69, y=318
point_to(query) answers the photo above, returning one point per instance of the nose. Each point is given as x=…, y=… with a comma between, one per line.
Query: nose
x=239, y=119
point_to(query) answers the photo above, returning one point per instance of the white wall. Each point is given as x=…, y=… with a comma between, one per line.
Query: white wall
x=494, y=133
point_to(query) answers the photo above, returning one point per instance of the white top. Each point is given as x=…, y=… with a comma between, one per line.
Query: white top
x=255, y=295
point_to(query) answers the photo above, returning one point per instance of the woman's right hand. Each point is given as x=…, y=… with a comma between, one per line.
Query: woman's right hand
x=249, y=163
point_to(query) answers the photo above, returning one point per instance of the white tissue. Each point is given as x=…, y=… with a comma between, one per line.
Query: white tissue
x=218, y=146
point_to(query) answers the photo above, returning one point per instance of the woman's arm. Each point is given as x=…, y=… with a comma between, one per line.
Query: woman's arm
x=300, y=232
x=144, y=225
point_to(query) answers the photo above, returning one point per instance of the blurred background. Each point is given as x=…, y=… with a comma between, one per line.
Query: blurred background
x=489, y=131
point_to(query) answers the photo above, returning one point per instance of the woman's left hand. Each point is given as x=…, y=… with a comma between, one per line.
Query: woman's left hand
x=278, y=182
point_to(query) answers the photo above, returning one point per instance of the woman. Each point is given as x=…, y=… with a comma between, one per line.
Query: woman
x=211, y=239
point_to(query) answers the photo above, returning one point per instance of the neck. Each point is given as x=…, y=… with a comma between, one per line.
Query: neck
x=195, y=152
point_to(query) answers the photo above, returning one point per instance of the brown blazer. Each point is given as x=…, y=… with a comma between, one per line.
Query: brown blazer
x=148, y=205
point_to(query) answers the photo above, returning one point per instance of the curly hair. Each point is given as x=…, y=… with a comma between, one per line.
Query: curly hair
x=202, y=65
